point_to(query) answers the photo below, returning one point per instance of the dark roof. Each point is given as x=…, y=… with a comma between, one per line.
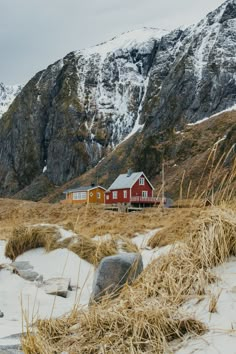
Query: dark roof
x=82, y=189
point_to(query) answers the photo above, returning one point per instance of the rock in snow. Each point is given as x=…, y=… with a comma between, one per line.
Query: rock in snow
x=114, y=271
x=56, y=286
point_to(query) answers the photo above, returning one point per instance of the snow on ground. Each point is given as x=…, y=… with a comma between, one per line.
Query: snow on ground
x=230, y=109
x=18, y=294
x=221, y=337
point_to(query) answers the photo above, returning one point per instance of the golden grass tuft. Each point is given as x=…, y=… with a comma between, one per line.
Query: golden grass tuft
x=26, y=238
x=146, y=316
x=130, y=326
x=213, y=302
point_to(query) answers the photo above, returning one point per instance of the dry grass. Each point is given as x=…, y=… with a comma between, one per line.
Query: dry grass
x=93, y=251
x=175, y=227
x=146, y=315
x=213, y=302
x=26, y=238
x=121, y=327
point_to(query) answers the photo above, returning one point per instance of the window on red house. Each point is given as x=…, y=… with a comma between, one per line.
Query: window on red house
x=125, y=194
x=114, y=195
x=141, y=181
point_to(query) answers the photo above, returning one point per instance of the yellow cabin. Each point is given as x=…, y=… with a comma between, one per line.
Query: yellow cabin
x=85, y=195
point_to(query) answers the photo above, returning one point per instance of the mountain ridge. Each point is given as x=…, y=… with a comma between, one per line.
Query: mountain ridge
x=80, y=108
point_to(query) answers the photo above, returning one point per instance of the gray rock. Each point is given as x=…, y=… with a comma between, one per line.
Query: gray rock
x=23, y=265
x=113, y=272
x=1, y=314
x=28, y=274
x=56, y=286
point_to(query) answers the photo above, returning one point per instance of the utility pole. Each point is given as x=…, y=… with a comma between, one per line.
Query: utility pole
x=163, y=182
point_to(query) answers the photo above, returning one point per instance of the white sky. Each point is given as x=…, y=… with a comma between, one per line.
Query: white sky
x=35, y=33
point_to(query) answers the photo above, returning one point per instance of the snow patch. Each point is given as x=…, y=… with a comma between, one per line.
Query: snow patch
x=221, y=338
x=230, y=109
x=18, y=294
x=7, y=96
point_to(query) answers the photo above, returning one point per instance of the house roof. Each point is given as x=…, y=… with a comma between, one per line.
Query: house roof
x=127, y=180
x=82, y=189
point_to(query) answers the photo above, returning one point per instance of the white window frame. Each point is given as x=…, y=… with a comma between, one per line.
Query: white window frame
x=79, y=195
x=98, y=195
x=141, y=181
x=144, y=194
x=114, y=195
x=125, y=195
x=107, y=197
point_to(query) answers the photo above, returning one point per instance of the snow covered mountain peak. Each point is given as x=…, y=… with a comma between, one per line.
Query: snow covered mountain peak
x=137, y=39
x=7, y=95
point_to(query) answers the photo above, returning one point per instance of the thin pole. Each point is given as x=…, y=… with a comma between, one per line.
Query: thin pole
x=163, y=183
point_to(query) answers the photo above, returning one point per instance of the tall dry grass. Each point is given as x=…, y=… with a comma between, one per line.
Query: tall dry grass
x=26, y=238
x=146, y=315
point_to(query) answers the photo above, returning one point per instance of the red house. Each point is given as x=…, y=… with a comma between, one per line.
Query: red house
x=133, y=188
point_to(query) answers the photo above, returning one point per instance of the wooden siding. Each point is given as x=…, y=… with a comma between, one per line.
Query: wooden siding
x=91, y=197
x=120, y=196
x=137, y=189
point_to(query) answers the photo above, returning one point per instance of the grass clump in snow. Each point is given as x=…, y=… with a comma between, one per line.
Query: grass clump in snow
x=94, y=251
x=130, y=326
x=26, y=238
x=146, y=316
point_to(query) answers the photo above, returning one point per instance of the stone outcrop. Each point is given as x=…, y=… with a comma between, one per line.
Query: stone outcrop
x=113, y=272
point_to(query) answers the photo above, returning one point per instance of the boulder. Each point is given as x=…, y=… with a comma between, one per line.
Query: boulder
x=57, y=286
x=28, y=274
x=22, y=265
x=113, y=272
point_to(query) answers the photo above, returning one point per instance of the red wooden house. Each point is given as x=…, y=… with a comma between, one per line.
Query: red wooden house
x=132, y=188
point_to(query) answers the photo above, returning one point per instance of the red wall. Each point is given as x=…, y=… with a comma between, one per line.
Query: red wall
x=137, y=189
x=135, y=192
x=120, y=196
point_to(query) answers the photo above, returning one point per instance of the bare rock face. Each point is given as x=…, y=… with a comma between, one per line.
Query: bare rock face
x=198, y=79
x=113, y=272
x=70, y=115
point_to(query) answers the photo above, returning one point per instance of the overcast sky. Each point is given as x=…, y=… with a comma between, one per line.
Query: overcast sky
x=35, y=33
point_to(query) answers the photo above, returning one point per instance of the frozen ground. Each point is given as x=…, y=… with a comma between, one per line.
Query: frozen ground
x=221, y=337
x=19, y=298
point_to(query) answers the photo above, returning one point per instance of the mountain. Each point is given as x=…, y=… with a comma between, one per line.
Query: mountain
x=143, y=85
x=7, y=95
x=200, y=79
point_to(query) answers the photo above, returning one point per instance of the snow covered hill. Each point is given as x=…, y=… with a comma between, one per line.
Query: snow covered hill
x=73, y=113
x=7, y=95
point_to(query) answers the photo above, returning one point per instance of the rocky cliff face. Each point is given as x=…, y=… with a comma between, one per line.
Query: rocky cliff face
x=200, y=79
x=7, y=96
x=73, y=113
x=70, y=114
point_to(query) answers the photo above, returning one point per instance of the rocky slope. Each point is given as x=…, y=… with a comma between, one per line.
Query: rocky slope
x=7, y=96
x=75, y=112
x=197, y=160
